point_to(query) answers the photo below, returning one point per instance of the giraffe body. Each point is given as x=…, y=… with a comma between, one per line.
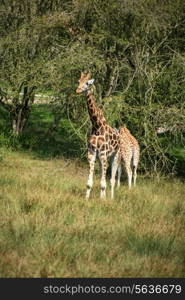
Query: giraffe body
x=103, y=141
x=128, y=155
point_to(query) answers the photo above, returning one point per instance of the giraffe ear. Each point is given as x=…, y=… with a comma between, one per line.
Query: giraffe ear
x=90, y=82
x=82, y=75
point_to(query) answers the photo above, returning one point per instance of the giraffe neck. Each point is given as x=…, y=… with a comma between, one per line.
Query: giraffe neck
x=96, y=115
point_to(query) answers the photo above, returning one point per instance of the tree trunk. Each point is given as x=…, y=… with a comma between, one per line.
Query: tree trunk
x=19, y=119
x=20, y=113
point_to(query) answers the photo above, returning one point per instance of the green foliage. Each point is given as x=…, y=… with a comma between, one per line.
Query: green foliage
x=134, y=49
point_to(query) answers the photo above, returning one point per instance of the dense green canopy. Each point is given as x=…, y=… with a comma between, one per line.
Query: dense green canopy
x=134, y=49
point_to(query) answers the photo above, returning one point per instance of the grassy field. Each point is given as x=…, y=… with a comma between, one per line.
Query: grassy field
x=48, y=229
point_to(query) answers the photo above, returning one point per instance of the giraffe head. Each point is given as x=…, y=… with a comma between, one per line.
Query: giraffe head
x=85, y=83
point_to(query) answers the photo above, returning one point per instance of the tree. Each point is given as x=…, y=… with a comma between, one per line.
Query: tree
x=26, y=46
x=134, y=49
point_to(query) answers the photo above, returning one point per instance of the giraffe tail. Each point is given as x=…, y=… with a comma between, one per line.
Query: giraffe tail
x=135, y=158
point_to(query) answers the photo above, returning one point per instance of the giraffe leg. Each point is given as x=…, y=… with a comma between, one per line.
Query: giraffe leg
x=119, y=175
x=134, y=175
x=91, y=159
x=103, y=161
x=135, y=164
x=129, y=174
x=114, y=168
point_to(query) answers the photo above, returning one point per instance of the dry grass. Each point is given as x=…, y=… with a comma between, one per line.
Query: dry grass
x=48, y=229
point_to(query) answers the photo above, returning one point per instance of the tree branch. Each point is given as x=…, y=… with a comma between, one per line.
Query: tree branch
x=113, y=81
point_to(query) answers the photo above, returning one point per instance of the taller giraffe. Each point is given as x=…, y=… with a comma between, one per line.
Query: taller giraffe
x=103, y=141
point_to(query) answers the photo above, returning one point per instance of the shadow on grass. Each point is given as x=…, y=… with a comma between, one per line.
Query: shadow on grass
x=147, y=244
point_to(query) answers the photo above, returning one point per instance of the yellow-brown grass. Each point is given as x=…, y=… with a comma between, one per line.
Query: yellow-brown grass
x=48, y=229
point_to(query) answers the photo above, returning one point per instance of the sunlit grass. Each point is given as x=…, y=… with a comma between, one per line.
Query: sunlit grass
x=48, y=229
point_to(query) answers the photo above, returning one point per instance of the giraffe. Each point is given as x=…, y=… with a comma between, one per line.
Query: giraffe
x=103, y=141
x=127, y=154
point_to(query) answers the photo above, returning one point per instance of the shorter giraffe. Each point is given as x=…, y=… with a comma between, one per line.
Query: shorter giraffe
x=128, y=154
x=103, y=141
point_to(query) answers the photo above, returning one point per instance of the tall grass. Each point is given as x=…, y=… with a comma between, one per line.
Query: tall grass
x=48, y=229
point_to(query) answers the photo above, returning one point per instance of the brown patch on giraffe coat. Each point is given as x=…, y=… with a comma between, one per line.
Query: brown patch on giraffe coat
x=115, y=145
x=111, y=148
x=93, y=141
x=112, y=142
x=94, y=118
x=103, y=147
x=100, y=122
x=106, y=136
x=101, y=140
